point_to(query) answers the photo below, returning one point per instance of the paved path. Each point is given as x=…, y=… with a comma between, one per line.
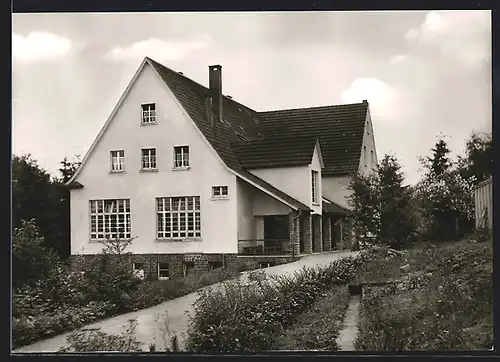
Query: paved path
x=346, y=338
x=151, y=321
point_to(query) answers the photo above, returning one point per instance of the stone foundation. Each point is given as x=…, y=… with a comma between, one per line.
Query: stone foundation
x=177, y=263
x=272, y=260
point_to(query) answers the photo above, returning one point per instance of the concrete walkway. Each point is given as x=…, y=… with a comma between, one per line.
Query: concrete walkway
x=151, y=321
x=346, y=338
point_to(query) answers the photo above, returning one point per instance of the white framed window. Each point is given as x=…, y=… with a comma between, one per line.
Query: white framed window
x=148, y=158
x=138, y=270
x=315, y=189
x=178, y=217
x=117, y=161
x=181, y=157
x=219, y=192
x=163, y=271
x=110, y=219
x=188, y=268
x=365, y=155
x=148, y=113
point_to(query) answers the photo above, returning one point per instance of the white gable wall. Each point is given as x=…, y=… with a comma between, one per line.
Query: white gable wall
x=294, y=181
x=316, y=166
x=335, y=189
x=368, y=164
x=174, y=128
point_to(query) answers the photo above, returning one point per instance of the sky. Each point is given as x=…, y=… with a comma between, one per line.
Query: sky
x=423, y=73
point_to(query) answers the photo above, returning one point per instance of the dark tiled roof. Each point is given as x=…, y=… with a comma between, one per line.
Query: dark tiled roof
x=274, y=190
x=275, y=152
x=339, y=128
x=333, y=208
x=239, y=122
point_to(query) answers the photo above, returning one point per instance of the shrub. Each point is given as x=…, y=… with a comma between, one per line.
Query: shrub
x=30, y=328
x=317, y=328
x=242, y=317
x=31, y=261
x=447, y=307
x=93, y=340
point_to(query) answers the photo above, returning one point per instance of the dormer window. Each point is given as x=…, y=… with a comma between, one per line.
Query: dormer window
x=315, y=188
x=148, y=113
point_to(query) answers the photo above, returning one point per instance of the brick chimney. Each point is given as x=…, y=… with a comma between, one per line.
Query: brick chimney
x=215, y=89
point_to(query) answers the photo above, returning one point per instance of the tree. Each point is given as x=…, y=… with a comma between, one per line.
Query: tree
x=68, y=168
x=37, y=195
x=478, y=159
x=31, y=261
x=382, y=205
x=445, y=195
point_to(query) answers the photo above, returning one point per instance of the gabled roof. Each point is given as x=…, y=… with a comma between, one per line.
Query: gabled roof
x=239, y=123
x=339, y=128
x=333, y=208
x=273, y=152
x=245, y=138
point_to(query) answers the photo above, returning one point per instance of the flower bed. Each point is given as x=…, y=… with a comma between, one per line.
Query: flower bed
x=247, y=317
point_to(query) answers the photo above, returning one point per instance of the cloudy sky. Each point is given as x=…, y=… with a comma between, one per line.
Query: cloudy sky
x=423, y=73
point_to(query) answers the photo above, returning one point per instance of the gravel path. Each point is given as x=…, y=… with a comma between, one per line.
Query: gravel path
x=151, y=321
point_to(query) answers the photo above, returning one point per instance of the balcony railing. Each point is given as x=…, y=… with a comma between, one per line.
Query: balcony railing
x=263, y=247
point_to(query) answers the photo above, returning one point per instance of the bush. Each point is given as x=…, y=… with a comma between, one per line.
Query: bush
x=31, y=261
x=243, y=317
x=93, y=340
x=317, y=328
x=31, y=328
x=97, y=288
x=449, y=307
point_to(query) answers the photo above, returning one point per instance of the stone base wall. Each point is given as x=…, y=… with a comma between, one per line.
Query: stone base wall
x=273, y=260
x=176, y=262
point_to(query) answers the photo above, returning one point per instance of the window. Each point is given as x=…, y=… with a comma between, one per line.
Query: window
x=163, y=271
x=219, y=192
x=117, y=161
x=188, y=268
x=110, y=219
x=178, y=217
x=212, y=265
x=138, y=266
x=365, y=155
x=149, y=113
x=315, y=193
x=373, y=158
x=368, y=128
x=181, y=157
x=149, y=159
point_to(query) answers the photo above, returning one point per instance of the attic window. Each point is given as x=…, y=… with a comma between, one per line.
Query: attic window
x=148, y=113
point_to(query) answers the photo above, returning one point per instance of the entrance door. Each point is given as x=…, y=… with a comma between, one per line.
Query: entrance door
x=275, y=231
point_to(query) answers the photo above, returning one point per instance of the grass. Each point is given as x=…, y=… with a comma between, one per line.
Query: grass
x=318, y=327
x=445, y=302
